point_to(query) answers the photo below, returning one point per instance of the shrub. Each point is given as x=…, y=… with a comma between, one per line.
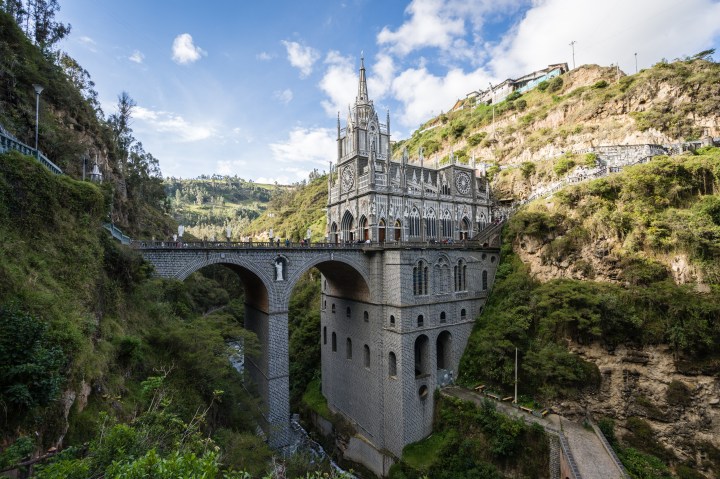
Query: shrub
x=678, y=394
x=563, y=165
x=476, y=138
x=600, y=84
x=543, y=85
x=527, y=168
x=555, y=85
x=590, y=159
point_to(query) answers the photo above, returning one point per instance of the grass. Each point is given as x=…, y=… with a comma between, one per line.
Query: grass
x=314, y=399
x=422, y=454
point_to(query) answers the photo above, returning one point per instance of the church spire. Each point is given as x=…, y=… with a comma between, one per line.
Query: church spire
x=362, y=96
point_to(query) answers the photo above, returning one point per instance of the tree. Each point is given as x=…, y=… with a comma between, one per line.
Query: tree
x=120, y=124
x=46, y=31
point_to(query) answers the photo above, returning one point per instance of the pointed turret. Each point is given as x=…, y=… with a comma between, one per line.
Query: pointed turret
x=362, y=96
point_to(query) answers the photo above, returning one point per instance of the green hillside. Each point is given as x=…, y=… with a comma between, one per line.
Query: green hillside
x=207, y=205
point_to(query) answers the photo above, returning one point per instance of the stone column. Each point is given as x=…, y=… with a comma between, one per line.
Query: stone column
x=278, y=379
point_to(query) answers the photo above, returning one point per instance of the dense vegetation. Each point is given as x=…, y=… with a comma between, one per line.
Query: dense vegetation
x=72, y=125
x=471, y=441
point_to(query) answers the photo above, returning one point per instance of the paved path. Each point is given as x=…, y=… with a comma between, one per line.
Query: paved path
x=592, y=459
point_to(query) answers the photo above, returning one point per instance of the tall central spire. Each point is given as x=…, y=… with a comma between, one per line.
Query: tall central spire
x=362, y=96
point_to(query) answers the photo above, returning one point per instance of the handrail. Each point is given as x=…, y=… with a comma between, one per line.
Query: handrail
x=8, y=142
x=610, y=450
x=117, y=233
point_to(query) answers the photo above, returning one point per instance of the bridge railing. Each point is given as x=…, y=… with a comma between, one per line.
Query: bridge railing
x=365, y=245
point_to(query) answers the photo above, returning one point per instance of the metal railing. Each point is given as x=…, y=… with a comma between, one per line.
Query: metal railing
x=8, y=142
x=117, y=234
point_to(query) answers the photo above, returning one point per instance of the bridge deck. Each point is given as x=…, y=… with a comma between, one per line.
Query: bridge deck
x=365, y=246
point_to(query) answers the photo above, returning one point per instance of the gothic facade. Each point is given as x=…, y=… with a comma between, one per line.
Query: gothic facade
x=373, y=197
x=384, y=353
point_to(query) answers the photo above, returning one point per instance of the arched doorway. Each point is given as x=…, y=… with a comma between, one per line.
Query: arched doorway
x=398, y=230
x=381, y=231
x=464, y=228
x=443, y=348
x=347, y=228
x=421, y=356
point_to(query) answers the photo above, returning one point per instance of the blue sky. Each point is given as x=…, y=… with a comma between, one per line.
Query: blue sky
x=253, y=88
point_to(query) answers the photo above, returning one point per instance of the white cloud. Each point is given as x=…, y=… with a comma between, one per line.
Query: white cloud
x=339, y=83
x=306, y=145
x=283, y=96
x=607, y=32
x=429, y=26
x=286, y=176
x=136, y=57
x=301, y=57
x=175, y=126
x=264, y=56
x=423, y=94
x=89, y=43
x=184, y=51
x=230, y=167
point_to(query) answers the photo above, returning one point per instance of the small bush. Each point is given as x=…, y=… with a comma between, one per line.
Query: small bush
x=555, y=85
x=563, y=165
x=527, y=168
x=600, y=84
x=543, y=85
x=476, y=138
x=678, y=394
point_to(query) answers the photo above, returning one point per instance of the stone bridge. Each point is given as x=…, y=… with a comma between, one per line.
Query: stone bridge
x=385, y=280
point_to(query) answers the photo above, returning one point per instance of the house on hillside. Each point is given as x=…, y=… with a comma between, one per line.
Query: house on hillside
x=522, y=84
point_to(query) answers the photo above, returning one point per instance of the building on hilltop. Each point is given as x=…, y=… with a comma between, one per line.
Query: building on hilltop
x=499, y=92
x=373, y=197
x=390, y=338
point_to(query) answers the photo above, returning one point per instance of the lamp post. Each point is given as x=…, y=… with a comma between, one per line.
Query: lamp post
x=572, y=44
x=492, y=90
x=636, y=68
x=38, y=90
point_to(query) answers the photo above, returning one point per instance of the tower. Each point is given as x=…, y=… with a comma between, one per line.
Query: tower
x=387, y=346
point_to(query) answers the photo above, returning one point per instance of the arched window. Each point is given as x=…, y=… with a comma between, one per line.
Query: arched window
x=324, y=334
x=392, y=365
x=324, y=304
x=460, y=276
x=442, y=317
x=420, y=278
x=348, y=348
x=420, y=321
x=366, y=356
x=334, y=342
x=484, y=281
x=347, y=312
x=392, y=320
x=348, y=227
x=414, y=222
x=430, y=224
x=464, y=229
x=447, y=225
x=333, y=308
x=463, y=313
x=364, y=229
x=398, y=230
x=366, y=316
x=441, y=277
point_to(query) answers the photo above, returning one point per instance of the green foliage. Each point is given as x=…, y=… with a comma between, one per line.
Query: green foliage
x=543, y=85
x=589, y=160
x=457, y=129
x=563, y=165
x=304, y=326
x=527, y=168
x=643, y=466
x=600, y=84
x=30, y=362
x=555, y=85
x=431, y=147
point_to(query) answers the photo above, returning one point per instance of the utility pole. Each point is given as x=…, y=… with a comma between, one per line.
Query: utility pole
x=572, y=44
x=516, y=364
x=636, y=68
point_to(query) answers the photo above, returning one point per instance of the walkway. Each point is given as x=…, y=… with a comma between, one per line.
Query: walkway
x=588, y=451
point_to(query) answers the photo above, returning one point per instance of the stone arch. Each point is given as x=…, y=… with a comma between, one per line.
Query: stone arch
x=398, y=230
x=344, y=275
x=257, y=282
x=443, y=349
x=465, y=228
